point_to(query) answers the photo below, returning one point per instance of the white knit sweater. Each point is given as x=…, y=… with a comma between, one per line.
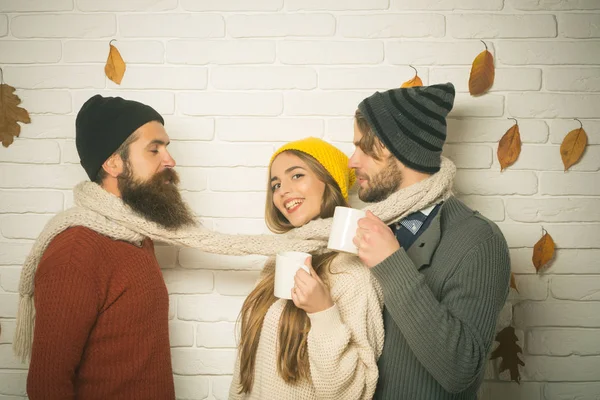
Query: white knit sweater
x=344, y=342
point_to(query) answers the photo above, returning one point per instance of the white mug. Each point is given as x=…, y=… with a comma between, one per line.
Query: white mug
x=343, y=229
x=286, y=265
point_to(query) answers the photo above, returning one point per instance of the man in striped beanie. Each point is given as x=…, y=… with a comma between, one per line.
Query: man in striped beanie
x=444, y=269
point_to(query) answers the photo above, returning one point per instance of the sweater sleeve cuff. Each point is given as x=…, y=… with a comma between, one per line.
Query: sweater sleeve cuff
x=326, y=321
x=397, y=272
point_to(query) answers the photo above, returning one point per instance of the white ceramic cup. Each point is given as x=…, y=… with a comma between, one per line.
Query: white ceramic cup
x=286, y=265
x=343, y=229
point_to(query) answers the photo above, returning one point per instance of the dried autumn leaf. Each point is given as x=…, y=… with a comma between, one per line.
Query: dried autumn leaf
x=573, y=146
x=415, y=81
x=543, y=251
x=115, y=66
x=513, y=283
x=10, y=115
x=509, y=147
x=509, y=350
x=482, y=73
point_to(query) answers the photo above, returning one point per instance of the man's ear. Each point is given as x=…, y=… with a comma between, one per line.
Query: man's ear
x=113, y=165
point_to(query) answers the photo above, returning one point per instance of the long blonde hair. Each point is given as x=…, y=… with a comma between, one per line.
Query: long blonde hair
x=294, y=324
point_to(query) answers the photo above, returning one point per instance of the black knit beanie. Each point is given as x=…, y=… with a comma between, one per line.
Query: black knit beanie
x=103, y=124
x=411, y=123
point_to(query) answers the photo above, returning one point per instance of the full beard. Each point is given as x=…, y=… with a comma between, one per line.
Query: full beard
x=156, y=200
x=382, y=185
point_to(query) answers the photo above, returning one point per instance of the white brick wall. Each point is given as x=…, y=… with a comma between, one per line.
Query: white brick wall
x=237, y=78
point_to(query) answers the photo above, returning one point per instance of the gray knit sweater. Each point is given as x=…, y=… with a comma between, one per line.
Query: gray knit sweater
x=442, y=298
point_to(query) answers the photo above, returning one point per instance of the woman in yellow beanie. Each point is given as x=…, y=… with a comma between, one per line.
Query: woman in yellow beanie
x=325, y=342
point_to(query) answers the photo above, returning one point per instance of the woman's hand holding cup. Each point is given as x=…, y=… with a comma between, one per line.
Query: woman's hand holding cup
x=310, y=293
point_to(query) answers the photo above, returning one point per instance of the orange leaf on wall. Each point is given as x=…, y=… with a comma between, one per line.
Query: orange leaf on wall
x=415, y=81
x=482, y=74
x=509, y=147
x=10, y=114
x=115, y=66
x=573, y=146
x=543, y=251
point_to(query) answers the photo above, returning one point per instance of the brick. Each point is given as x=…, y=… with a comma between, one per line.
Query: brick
x=241, y=226
x=495, y=183
x=434, y=53
x=271, y=129
x=508, y=390
x=491, y=105
x=166, y=256
x=192, y=179
x=563, y=342
x=559, y=128
x=190, y=128
x=203, y=361
x=546, y=5
x=227, y=205
x=265, y=104
x=188, y=281
x=297, y=5
x=555, y=313
x=3, y=25
x=32, y=152
x=340, y=129
x=132, y=51
x=579, y=391
x=548, y=53
x=572, y=79
x=182, y=78
x=469, y=26
x=8, y=327
x=181, y=334
x=220, y=52
x=280, y=25
x=238, y=179
x=216, y=334
x=220, y=387
x=575, y=236
x=547, y=158
x=8, y=359
x=574, y=368
x=68, y=152
x=136, y=5
x=451, y=5
x=22, y=226
x=333, y=103
x=506, y=79
x=30, y=51
x=231, y=5
x=30, y=201
x=9, y=279
x=243, y=78
x=34, y=5
x=554, y=210
x=392, y=26
x=64, y=26
x=40, y=176
x=570, y=183
x=191, y=387
x=469, y=156
x=209, y=308
x=567, y=261
x=13, y=383
x=56, y=77
x=330, y=52
x=490, y=207
x=49, y=127
x=491, y=130
x=191, y=258
x=172, y=25
x=576, y=287
x=45, y=101
x=237, y=283
x=579, y=26
x=14, y=253
x=9, y=303
x=161, y=101
x=531, y=287
x=200, y=154
x=549, y=105
x=381, y=78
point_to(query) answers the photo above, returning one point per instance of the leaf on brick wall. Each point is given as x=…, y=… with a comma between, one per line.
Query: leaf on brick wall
x=508, y=350
x=115, y=66
x=509, y=147
x=513, y=282
x=543, y=251
x=573, y=146
x=415, y=81
x=482, y=73
x=10, y=115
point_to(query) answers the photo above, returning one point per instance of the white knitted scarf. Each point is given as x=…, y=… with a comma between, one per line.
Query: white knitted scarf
x=107, y=215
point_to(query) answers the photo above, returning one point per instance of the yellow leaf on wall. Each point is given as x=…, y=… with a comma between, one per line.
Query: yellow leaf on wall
x=573, y=146
x=482, y=74
x=115, y=66
x=509, y=147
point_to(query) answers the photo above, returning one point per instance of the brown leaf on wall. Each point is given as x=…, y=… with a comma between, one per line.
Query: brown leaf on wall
x=10, y=114
x=573, y=146
x=509, y=147
x=543, y=251
x=482, y=74
x=508, y=350
x=115, y=66
x=415, y=81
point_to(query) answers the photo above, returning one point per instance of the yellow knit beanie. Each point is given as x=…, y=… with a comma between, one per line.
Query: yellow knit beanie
x=329, y=156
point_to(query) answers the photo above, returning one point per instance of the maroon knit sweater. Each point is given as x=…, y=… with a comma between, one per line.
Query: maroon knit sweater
x=101, y=324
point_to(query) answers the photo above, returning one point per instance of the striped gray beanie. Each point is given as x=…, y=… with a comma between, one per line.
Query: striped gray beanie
x=411, y=123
